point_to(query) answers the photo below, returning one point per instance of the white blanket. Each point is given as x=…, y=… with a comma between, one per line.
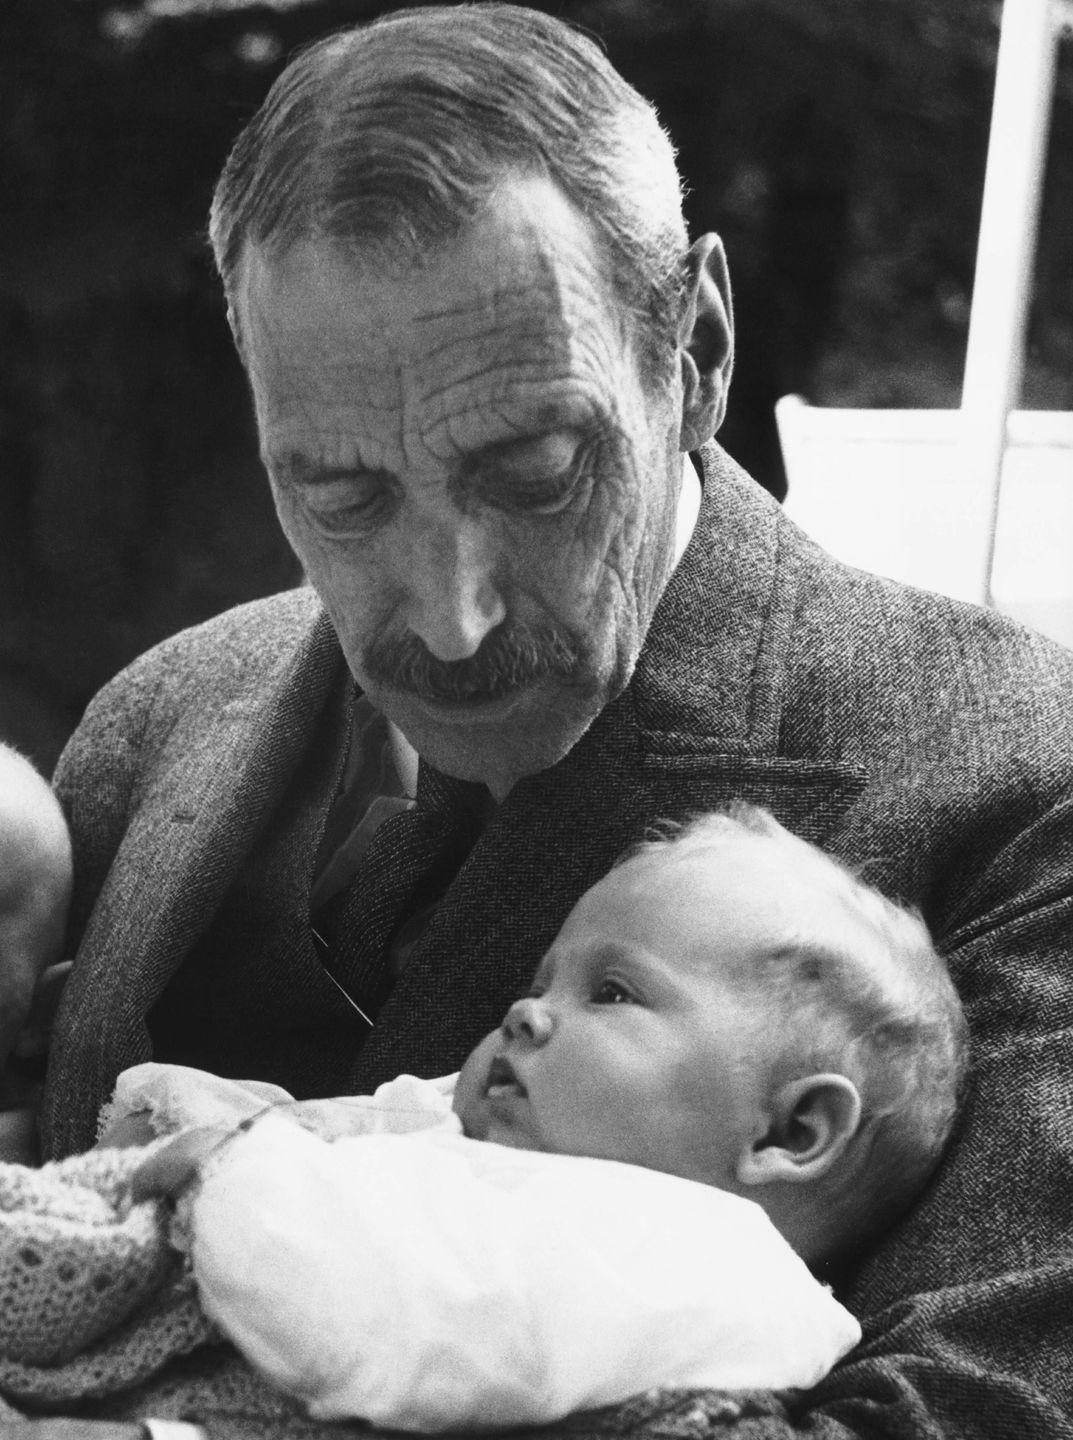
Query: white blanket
x=426, y=1281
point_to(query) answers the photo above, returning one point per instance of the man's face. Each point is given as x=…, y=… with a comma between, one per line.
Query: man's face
x=475, y=477
x=645, y=1038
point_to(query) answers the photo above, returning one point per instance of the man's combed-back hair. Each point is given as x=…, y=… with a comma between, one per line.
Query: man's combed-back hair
x=887, y=1016
x=392, y=136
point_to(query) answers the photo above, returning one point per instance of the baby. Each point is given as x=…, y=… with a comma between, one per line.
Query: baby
x=35, y=891
x=728, y=1017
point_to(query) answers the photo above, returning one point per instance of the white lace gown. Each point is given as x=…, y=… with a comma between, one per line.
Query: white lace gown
x=425, y=1281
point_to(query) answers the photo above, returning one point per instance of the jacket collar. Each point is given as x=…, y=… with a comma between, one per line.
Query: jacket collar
x=715, y=645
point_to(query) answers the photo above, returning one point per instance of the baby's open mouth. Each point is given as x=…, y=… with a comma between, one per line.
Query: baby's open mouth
x=502, y=1079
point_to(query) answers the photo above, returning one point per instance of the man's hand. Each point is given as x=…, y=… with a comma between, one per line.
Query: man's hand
x=59, y=1429
x=32, y=1040
x=19, y=1143
x=128, y=1132
x=30, y=988
x=175, y=1167
x=35, y=888
x=19, y=1093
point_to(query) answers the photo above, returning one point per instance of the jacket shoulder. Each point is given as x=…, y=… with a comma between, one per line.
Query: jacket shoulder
x=164, y=704
x=236, y=644
x=889, y=675
x=242, y=653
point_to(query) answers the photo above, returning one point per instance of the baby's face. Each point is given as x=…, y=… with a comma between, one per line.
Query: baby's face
x=644, y=1038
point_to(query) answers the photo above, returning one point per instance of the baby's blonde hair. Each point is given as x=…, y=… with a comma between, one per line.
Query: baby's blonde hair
x=889, y=1020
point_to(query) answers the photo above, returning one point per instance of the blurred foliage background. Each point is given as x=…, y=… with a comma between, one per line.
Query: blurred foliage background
x=837, y=145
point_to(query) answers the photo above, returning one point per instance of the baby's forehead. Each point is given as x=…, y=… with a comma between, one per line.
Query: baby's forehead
x=742, y=859
x=781, y=890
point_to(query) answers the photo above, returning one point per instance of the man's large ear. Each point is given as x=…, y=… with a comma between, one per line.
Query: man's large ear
x=811, y=1121
x=705, y=341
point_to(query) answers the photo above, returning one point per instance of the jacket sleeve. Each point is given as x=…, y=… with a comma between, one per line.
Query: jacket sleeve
x=95, y=780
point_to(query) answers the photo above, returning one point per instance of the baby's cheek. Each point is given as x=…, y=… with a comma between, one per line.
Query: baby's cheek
x=468, y=1102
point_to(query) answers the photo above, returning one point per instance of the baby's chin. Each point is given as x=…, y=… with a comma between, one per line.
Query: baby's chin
x=496, y=1133
x=469, y=1102
x=484, y=1119
x=481, y=1122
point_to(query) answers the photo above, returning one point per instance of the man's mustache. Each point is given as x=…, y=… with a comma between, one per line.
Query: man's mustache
x=508, y=660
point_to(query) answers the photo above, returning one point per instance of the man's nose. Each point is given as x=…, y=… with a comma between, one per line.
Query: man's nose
x=528, y=1019
x=455, y=600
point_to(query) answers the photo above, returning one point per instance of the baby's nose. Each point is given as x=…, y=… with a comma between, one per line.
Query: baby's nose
x=528, y=1019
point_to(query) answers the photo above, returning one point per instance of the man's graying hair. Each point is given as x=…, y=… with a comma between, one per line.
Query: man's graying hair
x=391, y=137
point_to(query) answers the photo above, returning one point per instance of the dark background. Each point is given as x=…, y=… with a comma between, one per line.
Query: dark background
x=838, y=146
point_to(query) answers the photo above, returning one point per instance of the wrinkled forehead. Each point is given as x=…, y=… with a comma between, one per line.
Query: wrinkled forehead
x=520, y=293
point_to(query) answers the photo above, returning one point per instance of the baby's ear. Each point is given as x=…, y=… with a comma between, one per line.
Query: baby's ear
x=811, y=1122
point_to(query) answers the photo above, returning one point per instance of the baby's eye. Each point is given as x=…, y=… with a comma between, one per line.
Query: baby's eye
x=613, y=992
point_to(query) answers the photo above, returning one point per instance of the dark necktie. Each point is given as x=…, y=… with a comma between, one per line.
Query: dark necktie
x=410, y=862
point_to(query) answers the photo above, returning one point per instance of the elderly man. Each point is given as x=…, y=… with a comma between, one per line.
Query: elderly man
x=487, y=365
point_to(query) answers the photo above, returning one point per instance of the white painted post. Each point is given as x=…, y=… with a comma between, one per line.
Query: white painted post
x=994, y=361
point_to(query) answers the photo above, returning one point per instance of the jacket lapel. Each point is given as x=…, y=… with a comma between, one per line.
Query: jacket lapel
x=715, y=655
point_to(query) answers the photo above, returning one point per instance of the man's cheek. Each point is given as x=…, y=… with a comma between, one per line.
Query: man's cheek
x=298, y=529
x=601, y=542
x=352, y=596
x=554, y=570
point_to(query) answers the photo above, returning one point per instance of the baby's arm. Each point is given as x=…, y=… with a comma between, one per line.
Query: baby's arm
x=35, y=887
x=154, y=1099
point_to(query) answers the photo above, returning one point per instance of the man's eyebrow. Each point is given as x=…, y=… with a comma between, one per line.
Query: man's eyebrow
x=530, y=434
x=299, y=469
x=483, y=455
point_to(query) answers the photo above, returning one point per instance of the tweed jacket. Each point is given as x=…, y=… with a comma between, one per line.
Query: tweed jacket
x=928, y=742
